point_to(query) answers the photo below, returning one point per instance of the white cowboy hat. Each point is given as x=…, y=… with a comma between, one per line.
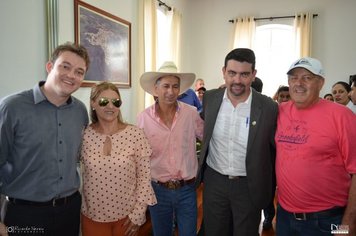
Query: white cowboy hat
x=148, y=79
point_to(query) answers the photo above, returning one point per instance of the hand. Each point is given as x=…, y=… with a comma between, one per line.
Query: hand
x=131, y=228
x=3, y=231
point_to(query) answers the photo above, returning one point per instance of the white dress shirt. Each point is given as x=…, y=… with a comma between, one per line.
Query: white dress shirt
x=352, y=106
x=228, y=144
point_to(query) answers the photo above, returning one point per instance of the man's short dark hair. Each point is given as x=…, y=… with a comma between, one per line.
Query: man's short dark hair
x=257, y=84
x=241, y=55
x=202, y=88
x=353, y=80
x=282, y=89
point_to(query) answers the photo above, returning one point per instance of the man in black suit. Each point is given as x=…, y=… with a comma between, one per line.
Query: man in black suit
x=238, y=154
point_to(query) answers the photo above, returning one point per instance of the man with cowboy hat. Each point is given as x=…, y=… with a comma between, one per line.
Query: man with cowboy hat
x=172, y=127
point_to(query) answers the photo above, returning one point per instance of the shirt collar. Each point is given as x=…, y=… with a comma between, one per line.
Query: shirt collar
x=40, y=97
x=38, y=94
x=247, y=101
x=153, y=108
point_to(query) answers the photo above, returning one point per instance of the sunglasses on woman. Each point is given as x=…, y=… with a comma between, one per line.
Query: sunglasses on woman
x=105, y=101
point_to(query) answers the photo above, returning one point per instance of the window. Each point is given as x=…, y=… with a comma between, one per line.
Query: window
x=164, y=21
x=274, y=47
x=163, y=51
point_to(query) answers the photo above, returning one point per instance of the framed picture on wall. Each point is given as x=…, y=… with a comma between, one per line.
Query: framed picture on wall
x=108, y=41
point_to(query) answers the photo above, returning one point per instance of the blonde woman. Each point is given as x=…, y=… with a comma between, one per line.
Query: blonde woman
x=116, y=169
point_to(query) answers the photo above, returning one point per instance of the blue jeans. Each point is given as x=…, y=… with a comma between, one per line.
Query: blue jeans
x=182, y=202
x=287, y=225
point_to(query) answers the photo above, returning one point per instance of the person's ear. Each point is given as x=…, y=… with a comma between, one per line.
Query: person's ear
x=49, y=66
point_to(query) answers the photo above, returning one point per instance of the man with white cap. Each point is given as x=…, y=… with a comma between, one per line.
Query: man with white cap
x=172, y=128
x=316, y=158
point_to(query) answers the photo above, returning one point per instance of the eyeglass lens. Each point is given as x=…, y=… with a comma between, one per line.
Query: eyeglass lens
x=105, y=101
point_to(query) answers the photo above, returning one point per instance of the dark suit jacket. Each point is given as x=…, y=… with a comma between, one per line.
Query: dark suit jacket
x=260, y=153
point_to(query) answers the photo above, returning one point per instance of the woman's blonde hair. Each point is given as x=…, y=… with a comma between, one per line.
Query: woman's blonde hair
x=95, y=93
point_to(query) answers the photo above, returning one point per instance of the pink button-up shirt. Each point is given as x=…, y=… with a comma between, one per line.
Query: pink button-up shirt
x=174, y=149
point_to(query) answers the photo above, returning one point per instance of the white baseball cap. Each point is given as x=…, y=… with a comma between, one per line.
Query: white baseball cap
x=311, y=64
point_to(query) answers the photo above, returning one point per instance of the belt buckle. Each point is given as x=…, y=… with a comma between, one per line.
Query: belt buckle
x=233, y=177
x=300, y=216
x=173, y=184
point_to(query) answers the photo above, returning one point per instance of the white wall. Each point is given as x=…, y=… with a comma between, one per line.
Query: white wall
x=208, y=33
x=124, y=9
x=23, y=45
x=206, y=38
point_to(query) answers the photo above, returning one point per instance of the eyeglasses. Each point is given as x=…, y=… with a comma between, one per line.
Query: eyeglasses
x=105, y=101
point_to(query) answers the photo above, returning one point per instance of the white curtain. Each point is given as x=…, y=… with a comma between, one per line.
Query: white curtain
x=175, y=36
x=303, y=32
x=147, y=46
x=169, y=29
x=244, y=32
x=148, y=42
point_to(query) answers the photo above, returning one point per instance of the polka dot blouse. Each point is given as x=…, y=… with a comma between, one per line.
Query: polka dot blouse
x=118, y=184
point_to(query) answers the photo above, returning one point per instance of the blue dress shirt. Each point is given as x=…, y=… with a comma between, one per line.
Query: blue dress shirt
x=189, y=97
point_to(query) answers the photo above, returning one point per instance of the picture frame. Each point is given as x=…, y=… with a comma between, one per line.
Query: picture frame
x=108, y=41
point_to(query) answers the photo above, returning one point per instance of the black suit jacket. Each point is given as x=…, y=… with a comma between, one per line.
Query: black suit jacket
x=260, y=153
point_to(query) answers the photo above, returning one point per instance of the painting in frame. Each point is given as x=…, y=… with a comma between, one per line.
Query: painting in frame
x=108, y=41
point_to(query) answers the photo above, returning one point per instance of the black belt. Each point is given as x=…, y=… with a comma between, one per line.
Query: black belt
x=175, y=184
x=54, y=202
x=320, y=214
x=235, y=177
x=231, y=177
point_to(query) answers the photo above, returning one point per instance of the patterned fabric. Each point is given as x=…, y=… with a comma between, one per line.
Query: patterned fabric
x=118, y=184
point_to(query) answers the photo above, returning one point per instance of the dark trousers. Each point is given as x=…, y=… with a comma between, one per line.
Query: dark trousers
x=227, y=206
x=60, y=220
x=269, y=212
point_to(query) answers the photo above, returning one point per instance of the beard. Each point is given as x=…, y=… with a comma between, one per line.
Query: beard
x=237, y=89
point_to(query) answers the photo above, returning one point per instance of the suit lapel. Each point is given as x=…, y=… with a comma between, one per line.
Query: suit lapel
x=211, y=109
x=214, y=107
x=255, y=119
